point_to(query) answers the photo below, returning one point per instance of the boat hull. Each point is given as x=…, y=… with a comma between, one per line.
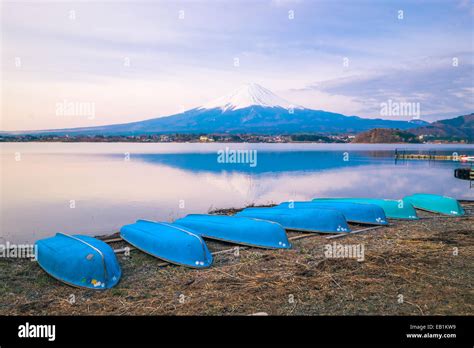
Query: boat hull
x=238, y=230
x=393, y=209
x=80, y=261
x=435, y=203
x=305, y=220
x=168, y=242
x=354, y=212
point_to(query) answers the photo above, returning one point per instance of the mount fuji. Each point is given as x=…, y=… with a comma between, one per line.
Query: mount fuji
x=246, y=96
x=249, y=109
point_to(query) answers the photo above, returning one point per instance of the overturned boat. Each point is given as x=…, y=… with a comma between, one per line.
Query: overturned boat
x=79, y=260
x=435, y=204
x=238, y=230
x=304, y=220
x=169, y=242
x=393, y=209
x=354, y=212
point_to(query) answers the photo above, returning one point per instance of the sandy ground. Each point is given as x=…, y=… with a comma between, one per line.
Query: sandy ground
x=409, y=268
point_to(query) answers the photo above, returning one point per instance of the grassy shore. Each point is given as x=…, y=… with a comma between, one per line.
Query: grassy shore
x=410, y=268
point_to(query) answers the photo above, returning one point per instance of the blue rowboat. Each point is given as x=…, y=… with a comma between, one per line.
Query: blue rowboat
x=305, y=220
x=394, y=209
x=435, y=203
x=238, y=230
x=354, y=212
x=168, y=242
x=79, y=261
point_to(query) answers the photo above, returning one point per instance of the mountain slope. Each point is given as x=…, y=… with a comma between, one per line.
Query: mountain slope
x=249, y=109
x=461, y=127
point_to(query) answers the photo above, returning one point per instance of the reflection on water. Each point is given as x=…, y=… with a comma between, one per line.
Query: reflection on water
x=267, y=162
x=94, y=188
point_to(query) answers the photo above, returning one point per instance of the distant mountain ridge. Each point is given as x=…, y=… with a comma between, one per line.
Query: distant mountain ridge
x=250, y=109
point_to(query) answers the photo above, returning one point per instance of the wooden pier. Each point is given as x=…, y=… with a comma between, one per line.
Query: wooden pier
x=415, y=156
x=430, y=155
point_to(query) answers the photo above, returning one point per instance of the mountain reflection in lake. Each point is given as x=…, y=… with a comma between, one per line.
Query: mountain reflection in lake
x=96, y=188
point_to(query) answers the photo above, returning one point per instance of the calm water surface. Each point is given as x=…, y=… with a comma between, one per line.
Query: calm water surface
x=94, y=189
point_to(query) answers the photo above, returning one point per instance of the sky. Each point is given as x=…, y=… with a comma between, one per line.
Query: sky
x=135, y=60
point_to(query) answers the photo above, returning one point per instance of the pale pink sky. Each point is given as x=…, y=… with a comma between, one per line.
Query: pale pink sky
x=139, y=60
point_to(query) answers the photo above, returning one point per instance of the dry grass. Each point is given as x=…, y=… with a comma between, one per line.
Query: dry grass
x=413, y=259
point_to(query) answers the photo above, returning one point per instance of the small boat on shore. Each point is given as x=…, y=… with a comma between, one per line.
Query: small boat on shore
x=238, y=230
x=78, y=260
x=354, y=212
x=393, y=209
x=435, y=204
x=304, y=220
x=169, y=242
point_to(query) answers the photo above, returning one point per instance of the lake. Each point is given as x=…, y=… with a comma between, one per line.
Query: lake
x=94, y=188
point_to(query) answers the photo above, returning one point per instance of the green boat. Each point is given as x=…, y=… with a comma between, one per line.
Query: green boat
x=435, y=204
x=394, y=209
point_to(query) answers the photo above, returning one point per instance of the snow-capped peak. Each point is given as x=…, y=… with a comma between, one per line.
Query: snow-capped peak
x=250, y=94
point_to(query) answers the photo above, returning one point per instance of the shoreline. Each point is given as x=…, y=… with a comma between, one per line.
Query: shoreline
x=239, y=142
x=415, y=259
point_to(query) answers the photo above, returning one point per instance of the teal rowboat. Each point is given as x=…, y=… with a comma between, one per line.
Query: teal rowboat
x=394, y=209
x=168, y=242
x=354, y=212
x=78, y=260
x=304, y=220
x=435, y=203
x=238, y=230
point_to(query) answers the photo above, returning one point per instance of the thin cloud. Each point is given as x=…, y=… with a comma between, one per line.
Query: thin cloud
x=443, y=90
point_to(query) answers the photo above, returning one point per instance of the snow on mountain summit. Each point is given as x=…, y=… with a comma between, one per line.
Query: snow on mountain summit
x=247, y=95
